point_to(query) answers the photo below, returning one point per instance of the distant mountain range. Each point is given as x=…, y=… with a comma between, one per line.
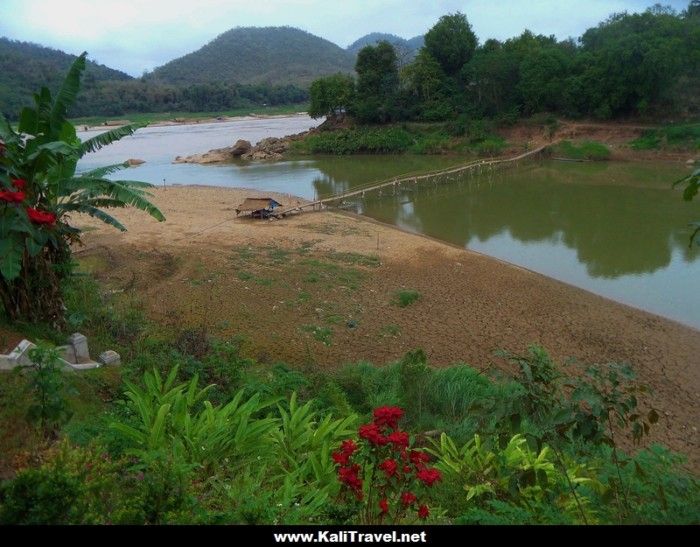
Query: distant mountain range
x=247, y=55
x=405, y=49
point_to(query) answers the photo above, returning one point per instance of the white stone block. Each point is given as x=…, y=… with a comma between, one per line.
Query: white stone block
x=80, y=345
x=110, y=357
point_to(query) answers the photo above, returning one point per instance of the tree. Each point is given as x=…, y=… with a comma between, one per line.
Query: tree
x=451, y=42
x=692, y=186
x=331, y=96
x=377, y=83
x=39, y=190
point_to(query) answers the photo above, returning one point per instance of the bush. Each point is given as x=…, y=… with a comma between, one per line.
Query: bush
x=588, y=150
x=405, y=297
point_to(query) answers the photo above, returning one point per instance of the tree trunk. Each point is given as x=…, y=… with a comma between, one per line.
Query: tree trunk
x=36, y=296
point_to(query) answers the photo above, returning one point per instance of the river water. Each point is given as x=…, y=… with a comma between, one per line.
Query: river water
x=616, y=229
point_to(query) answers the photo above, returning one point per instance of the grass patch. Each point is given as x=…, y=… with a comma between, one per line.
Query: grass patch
x=587, y=150
x=356, y=259
x=677, y=136
x=245, y=276
x=405, y=297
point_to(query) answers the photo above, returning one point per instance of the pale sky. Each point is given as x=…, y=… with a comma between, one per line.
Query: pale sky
x=138, y=35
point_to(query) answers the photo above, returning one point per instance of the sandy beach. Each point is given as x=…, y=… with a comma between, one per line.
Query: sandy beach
x=237, y=276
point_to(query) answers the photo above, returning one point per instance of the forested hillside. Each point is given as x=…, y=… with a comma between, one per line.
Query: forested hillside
x=25, y=67
x=272, y=55
x=406, y=50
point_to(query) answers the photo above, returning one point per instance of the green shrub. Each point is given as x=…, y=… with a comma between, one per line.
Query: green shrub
x=587, y=150
x=680, y=136
x=405, y=297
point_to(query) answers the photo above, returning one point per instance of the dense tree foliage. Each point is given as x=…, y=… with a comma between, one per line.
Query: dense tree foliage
x=451, y=42
x=629, y=65
x=377, y=83
x=331, y=96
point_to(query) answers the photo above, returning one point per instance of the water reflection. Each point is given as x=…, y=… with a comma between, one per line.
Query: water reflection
x=616, y=229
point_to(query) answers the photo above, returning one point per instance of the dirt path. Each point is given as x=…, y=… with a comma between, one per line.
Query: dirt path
x=317, y=289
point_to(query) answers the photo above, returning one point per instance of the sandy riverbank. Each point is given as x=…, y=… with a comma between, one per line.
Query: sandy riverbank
x=188, y=121
x=267, y=279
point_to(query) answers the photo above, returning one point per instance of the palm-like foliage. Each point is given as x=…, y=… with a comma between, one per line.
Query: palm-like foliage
x=34, y=231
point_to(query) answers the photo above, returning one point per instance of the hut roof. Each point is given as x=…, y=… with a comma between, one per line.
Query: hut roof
x=255, y=204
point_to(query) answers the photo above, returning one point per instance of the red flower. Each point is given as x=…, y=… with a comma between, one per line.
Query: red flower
x=372, y=433
x=383, y=506
x=418, y=458
x=406, y=468
x=423, y=512
x=389, y=467
x=408, y=498
x=12, y=197
x=40, y=217
x=429, y=475
x=349, y=476
x=348, y=447
x=341, y=458
x=399, y=439
x=388, y=415
x=20, y=184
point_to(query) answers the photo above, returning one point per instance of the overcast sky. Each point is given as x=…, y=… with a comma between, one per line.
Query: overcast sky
x=138, y=35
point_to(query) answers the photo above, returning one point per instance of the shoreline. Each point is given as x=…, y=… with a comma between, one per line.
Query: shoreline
x=365, y=218
x=220, y=267
x=189, y=121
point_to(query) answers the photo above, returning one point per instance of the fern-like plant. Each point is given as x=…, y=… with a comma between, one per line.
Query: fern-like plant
x=40, y=190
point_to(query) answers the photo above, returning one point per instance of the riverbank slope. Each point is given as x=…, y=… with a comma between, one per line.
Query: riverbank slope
x=319, y=290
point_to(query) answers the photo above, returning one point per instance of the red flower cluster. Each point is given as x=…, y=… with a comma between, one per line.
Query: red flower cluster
x=388, y=415
x=403, y=469
x=429, y=476
x=408, y=498
x=19, y=184
x=349, y=475
x=40, y=217
x=12, y=197
x=342, y=456
x=389, y=467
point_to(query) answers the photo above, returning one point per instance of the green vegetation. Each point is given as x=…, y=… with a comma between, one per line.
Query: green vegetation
x=190, y=431
x=405, y=297
x=26, y=67
x=587, y=150
x=109, y=94
x=398, y=139
x=642, y=64
x=40, y=193
x=678, y=136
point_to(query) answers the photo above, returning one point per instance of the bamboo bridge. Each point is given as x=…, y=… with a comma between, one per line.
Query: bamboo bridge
x=395, y=182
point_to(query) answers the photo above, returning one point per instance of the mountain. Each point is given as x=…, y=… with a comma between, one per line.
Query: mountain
x=274, y=55
x=406, y=50
x=26, y=67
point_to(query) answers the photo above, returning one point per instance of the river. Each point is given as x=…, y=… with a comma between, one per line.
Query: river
x=616, y=229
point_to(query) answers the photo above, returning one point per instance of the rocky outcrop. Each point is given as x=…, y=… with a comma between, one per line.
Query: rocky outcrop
x=133, y=162
x=241, y=147
x=271, y=148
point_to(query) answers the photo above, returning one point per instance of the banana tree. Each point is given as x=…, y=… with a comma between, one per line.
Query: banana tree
x=39, y=193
